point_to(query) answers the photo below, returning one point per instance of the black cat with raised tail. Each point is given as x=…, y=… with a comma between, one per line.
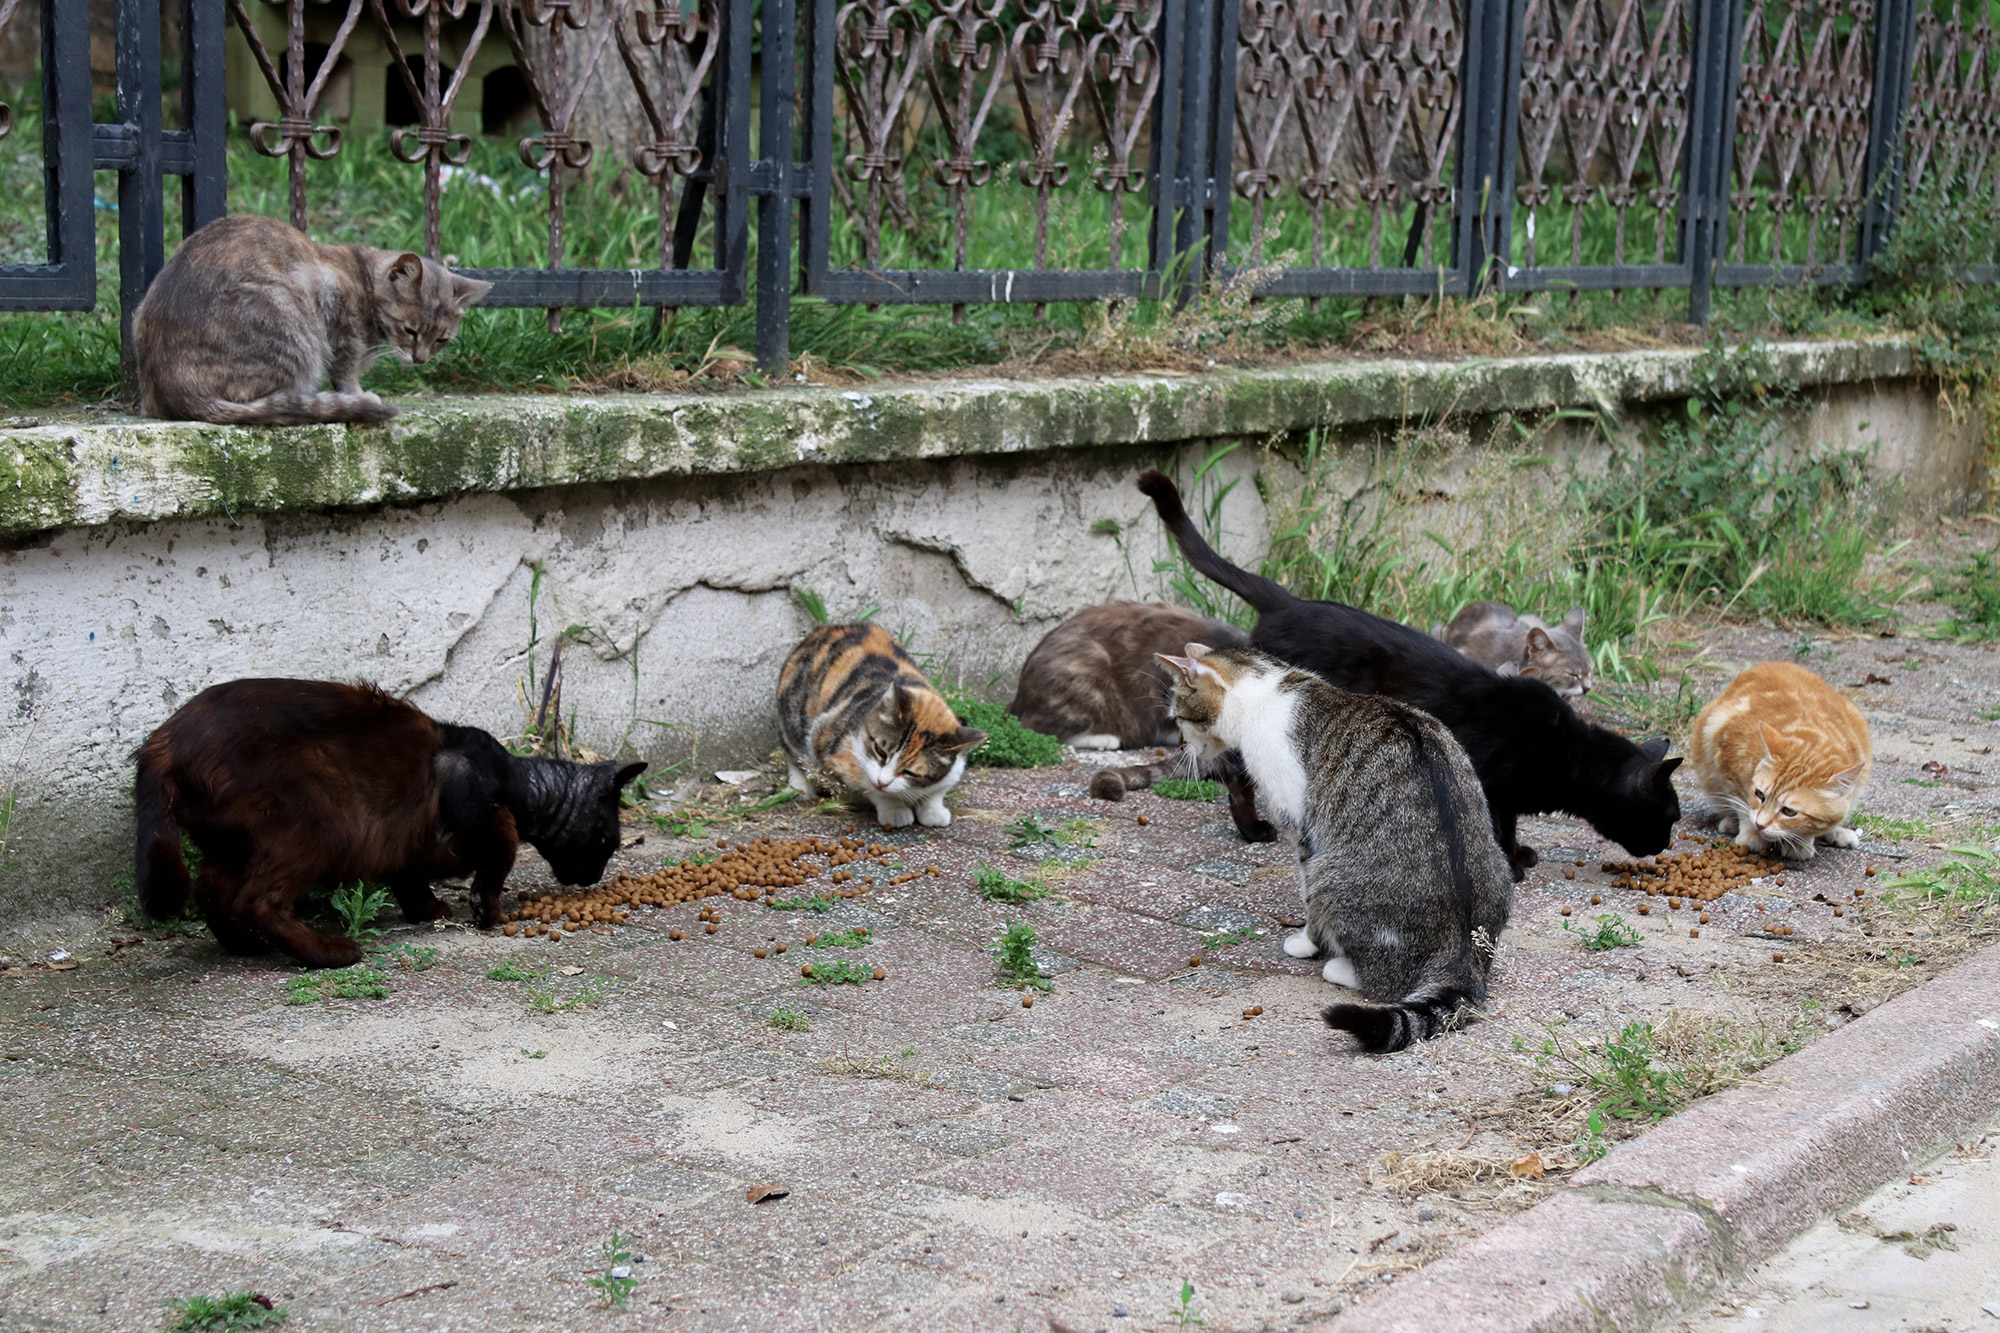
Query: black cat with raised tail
x=1533, y=754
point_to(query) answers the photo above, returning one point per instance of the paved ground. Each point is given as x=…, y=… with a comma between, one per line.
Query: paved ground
x=1921, y=1255
x=448, y=1157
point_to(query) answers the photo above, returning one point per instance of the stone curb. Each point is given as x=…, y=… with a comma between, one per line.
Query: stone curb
x=124, y=469
x=1658, y=1225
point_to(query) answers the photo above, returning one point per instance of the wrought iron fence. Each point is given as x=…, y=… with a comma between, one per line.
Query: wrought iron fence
x=970, y=152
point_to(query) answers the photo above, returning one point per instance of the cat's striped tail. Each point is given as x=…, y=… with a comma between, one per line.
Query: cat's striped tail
x=158, y=871
x=1381, y=1028
x=292, y=408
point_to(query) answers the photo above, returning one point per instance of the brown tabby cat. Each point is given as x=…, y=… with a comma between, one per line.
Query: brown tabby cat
x=250, y=317
x=1784, y=757
x=1096, y=680
x=856, y=716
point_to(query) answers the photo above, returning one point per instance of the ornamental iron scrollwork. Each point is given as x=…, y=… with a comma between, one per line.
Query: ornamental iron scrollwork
x=681, y=46
x=294, y=134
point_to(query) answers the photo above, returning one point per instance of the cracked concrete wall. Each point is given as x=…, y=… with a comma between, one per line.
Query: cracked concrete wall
x=686, y=585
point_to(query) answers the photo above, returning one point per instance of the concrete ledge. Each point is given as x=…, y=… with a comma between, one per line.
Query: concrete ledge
x=1656, y=1226
x=55, y=476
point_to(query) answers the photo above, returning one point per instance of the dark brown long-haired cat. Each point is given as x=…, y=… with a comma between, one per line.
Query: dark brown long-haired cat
x=1096, y=680
x=250, y=317
x=283, y=784
x=857, y=717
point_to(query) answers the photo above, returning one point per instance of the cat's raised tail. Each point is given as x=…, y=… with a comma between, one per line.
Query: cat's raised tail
x=1381, y=1028
x=159, y=873
x=1260, y=592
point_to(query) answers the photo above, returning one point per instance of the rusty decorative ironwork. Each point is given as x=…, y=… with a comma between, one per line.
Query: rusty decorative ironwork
x=1610, y=83
x=556, y=91
x=432, y=141
x=1125, y=69
x=1802, y=122
x=878, y=52
x=1266, y=57
x=294, y=134
x=680, y=47
x=962, y=69
x=1048, y=65
x=1953, y=127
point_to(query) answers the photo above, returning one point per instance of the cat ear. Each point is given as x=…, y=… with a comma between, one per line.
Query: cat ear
x=1196, y=650
x=1842, y=784
x=1182, y=665
x=1666, y=769
x=965, y=738
x=1573, y=623
x=1508, y=669
x=467, y=291
x=626, y=774
x=1539, y=641
x=1656, y=748
x=1773, y=739
x=406, y=273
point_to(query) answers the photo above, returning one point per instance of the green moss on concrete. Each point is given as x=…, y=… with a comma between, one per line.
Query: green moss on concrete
x=79, y=475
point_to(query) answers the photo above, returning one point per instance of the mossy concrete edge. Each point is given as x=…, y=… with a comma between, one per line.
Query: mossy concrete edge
x=128, y=469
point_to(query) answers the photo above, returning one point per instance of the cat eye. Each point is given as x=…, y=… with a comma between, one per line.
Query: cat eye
x=1757, y=792
x=410, y=329
x=1787, y=811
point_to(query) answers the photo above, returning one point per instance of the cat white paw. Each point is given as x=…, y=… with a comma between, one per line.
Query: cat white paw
x=890, y=813
x=932, y=814
x=1340, y=971
x=1797, y=851
x=1841, y=836
x=1750, y=840
x=1726, y=825
x=1094, y=741
x=797, y=780
x=1299, y=944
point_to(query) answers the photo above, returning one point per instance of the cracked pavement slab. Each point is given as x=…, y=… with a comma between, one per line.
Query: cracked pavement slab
x=452, y=1156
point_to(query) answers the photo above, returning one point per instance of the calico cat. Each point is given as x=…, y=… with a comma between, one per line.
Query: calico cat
x=1493, y=634
x=283, y=784
x=856, y=716
x=1096, y=681
x=250, y=317
x=1784, y=757
x=1404, y=884
x=1533, y=754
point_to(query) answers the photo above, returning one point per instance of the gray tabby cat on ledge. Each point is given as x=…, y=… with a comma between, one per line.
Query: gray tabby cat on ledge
x=1404, y=883
x=251, y=317
x=1514, y=643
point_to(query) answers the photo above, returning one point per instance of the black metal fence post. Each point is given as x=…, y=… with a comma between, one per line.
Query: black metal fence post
x=204, y=114
x=1709, y=159
x=141, y=198
x=1482, y=230
x=732, y=157
x=68, y=281
x=774, y=182
x=1882, y=185
x=1217, y=159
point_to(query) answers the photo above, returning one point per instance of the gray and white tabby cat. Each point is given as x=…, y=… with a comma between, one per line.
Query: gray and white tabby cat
x=251, y=316
x=1493, y=634
x=1404, y=884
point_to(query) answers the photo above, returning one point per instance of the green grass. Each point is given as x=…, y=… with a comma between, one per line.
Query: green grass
x=359, y=982
x=1612, y=933
x=998, y=886
x=822, y=903
x=512, y=971
x=409, y=957
x=837, y=972
x=1008, y=744
x=1972, y=590
x=1892, y=830
x=1969, y=878
x=1188, y=789
x=842, y=939
x=1014, y=952
x=546, y=997
x=1029, y=830
x=785, y=1018
x=358, y=905
x=228, y=1313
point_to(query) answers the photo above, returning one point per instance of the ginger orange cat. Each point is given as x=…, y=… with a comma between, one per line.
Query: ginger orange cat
x=1785, y=757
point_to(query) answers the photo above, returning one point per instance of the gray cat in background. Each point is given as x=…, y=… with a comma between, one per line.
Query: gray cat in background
x=1493, y=634
x=1404, y=884
x=250, y=317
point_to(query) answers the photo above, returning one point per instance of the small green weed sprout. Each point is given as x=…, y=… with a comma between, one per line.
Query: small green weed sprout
x=1891, y=830
x=223, y=1314
x=544, y=998
x=1015, y=952
x=534, y=1055
x=823, y=903
x=1008, y=744
x=1612, y=933
x=1182, y=1312
x=1973, y=591
x=359, y=982
x=812, y=604
x=1968, y=878
x=1079, y=832
x=1031, y=829
x=410, y=957
x=1003, y=888
x=359, y=905
x=1188, y=789
x=512, y=971
x=841, y=939
x=836, y=972
x=787, y=1019
x=616, y=1283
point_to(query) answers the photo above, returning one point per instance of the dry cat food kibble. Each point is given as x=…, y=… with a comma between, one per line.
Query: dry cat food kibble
x=1705, y=875
x=1565, y=911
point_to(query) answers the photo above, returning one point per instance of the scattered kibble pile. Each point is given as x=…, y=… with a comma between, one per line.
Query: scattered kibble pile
x=1704, y=876
x=748, y=871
